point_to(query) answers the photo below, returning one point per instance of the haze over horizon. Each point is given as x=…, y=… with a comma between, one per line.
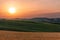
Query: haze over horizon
x=30, y=8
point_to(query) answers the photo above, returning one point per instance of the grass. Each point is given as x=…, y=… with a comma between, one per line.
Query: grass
x=28, y=26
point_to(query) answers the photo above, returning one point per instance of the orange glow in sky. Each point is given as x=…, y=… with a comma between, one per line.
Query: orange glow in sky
x=27, y=8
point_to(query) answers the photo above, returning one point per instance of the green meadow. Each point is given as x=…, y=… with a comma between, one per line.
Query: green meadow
x=28, y=26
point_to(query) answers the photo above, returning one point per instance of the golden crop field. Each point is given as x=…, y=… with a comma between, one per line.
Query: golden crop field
x=12, y=35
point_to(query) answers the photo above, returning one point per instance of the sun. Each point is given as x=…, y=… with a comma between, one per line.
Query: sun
x=12, y=10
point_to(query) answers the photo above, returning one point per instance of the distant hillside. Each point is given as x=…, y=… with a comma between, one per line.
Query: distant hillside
x=51, y=15
x=28, y=26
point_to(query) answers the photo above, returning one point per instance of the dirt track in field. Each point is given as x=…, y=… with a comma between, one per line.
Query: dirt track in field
x=11, y=35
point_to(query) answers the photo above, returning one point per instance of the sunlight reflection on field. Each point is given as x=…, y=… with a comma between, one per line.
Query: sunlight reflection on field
x=11, y=35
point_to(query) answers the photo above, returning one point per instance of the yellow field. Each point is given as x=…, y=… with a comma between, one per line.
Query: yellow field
x=10, y=35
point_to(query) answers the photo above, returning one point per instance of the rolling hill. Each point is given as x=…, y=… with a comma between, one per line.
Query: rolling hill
x=28, y=26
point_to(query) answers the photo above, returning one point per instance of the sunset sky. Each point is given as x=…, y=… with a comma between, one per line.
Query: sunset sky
x=28, y=8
